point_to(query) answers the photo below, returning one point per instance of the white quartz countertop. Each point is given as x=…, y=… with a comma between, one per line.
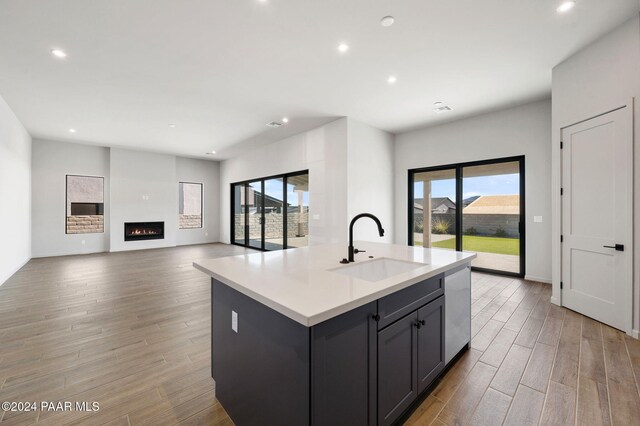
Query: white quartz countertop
x=299, y=283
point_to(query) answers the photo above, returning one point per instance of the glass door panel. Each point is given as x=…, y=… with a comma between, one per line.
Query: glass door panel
x=434, y=209
x=239, y=209
x=255, y=218
x=491, y=215
x=274, y=214
x=271, y=213
x=298, y=211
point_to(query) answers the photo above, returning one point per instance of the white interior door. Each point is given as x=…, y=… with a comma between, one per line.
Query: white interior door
x=597, y=218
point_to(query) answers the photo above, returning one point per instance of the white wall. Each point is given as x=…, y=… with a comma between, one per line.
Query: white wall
x=139, y=186
x=52, y=161
x=323, y=151
x=522, y=130
x=370, y=154
x=15, y=193
x=144, y=188
x=599, y=78
x=208, y=174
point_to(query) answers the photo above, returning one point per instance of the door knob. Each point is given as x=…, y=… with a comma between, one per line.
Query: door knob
x=618, y=247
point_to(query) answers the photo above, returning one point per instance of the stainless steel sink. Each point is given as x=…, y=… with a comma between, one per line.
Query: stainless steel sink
x=377, y=269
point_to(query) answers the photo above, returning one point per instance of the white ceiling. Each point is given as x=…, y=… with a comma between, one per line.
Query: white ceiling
x=221, y=69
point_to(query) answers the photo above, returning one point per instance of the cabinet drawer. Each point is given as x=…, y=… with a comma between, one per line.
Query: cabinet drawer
x=393, y=307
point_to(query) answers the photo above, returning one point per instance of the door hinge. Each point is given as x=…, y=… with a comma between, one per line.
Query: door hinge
x=561, y=145
x=561, y=238
x=561, y=285
x=561, y=191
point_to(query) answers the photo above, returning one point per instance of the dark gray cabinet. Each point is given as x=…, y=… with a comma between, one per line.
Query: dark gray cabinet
x=410, y=357
x=397, y=368
x=343, y=369
x=364, y=367
x=395, y=306
x=431, y=338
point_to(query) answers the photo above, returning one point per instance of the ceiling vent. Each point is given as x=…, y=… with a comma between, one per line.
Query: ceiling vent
x=274, y=124
x=439, y=108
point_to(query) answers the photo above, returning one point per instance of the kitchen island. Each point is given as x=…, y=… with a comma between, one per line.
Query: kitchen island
x=298, y=338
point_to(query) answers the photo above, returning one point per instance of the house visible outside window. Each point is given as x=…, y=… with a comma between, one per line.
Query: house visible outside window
x=85, y=205
x=190, y=195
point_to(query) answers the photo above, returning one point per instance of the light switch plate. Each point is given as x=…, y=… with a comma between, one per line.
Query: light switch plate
x=234, y=321
x=537, y=219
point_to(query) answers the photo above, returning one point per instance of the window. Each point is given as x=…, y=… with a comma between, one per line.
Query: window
x=190, y=195
x=85, y=205
x=271, y=213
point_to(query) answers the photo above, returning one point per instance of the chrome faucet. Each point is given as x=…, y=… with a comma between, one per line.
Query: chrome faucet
x=352, y=250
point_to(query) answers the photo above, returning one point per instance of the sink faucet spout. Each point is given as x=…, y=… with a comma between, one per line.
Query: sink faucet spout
x=352, y=251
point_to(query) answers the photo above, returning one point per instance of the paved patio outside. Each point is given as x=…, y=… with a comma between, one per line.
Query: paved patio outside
x=499, y=262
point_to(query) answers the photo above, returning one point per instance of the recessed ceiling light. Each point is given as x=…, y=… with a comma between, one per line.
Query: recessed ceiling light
x=566, y=6
x=210, y=153
x=58, y=53
x=392, y=79
x=285, y=120
x=387, y=21
x=342, y=47
x=72, y=130
x=172, y=125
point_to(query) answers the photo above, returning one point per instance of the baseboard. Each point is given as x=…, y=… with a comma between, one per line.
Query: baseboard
x=555, y=300
x=635, y=334
x=14, y=271
x=196, y=243
x=66, y=253
x=538, y=279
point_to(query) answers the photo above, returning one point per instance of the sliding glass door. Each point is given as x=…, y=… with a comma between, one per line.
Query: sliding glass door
x=477, y=207
x=254, y=218
x=274, y=214
x=271, y=213
x=298, y=210
x=491, y=215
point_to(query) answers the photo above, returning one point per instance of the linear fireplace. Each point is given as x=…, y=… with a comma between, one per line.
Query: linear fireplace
x=136, y=231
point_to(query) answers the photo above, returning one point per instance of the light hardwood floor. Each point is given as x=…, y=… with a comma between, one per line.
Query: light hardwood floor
x=131, y=331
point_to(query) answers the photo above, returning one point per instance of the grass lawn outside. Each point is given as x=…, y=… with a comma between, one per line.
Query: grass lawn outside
x=483, y=244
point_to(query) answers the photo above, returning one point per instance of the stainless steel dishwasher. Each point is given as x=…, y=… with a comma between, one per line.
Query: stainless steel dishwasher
x=457, y=290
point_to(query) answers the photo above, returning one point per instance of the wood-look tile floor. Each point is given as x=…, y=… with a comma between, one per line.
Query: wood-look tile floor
x=532, y=363
x=128, y=330
x=132, y=331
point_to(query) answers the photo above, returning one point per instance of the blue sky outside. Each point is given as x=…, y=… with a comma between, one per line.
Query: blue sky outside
x=273, y=188
x=481, y=185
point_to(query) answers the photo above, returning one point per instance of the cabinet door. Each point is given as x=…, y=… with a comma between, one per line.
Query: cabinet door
x=343, y=353
x=397, y=368
x=430, y=342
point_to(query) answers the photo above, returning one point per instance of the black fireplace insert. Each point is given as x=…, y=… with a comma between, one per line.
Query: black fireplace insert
x=137, y=231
